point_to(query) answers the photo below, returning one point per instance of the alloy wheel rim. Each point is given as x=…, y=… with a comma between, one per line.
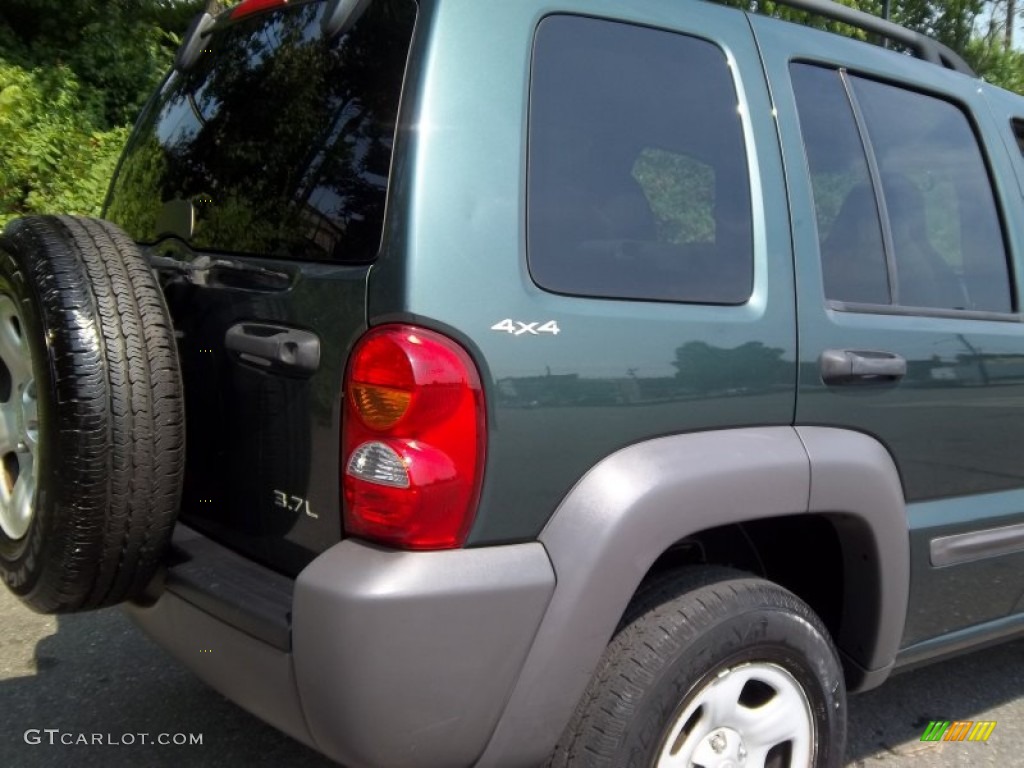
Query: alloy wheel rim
x=19, y=424
x=738, y=718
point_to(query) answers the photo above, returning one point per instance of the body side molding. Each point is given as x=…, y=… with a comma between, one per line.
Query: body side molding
x=971, y=546
x=636, y=503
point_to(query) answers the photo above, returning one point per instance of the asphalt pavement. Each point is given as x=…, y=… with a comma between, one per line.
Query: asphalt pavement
x=95, y=677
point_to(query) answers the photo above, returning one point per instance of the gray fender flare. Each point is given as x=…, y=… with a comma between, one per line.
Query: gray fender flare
x=636, y=503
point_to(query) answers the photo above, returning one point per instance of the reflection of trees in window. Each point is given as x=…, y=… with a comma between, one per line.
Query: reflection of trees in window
x=286, y=135
x=134, y=204
x=941, y=208
x=681, y=193
x=830, y=192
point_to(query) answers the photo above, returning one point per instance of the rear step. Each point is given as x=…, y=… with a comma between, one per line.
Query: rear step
x=238, y=591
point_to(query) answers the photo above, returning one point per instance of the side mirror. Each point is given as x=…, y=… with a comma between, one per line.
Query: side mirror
x=340, y=16
x=193, y=42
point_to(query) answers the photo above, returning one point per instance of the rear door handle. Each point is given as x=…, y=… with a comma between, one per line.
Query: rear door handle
x=275, y=346
x=846, y=366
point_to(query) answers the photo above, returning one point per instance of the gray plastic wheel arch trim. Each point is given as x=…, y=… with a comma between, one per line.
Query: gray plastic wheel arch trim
x=633, y=505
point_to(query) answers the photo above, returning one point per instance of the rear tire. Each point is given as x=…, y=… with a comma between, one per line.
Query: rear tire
x=712, y=667
x=91, y=463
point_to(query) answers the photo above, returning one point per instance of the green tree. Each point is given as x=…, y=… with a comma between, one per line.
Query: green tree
x=50, y=157
x=73, y=75
x=977, y=29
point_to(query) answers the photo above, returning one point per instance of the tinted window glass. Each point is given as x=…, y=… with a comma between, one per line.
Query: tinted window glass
x=278, y=138
x=923, y=230
x=946, y=234
x=849, y=231
x=638, y=180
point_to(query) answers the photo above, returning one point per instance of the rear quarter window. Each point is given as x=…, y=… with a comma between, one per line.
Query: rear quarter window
x=638, y=179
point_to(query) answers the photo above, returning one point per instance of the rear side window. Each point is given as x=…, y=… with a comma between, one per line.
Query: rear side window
x=850, y=234
x=638, y=178
x=279, y=139
x=905, y=210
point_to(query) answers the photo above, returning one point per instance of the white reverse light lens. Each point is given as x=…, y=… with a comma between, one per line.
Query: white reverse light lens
x=378, y=463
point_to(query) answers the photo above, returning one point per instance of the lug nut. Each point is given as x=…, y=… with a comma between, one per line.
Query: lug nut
x=718, y=743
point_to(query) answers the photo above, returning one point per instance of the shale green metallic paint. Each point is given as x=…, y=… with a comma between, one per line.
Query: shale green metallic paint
x=573, y=406
x=455, y=258
x=954, y=423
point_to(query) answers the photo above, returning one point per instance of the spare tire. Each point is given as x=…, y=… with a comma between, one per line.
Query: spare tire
x=91, y=415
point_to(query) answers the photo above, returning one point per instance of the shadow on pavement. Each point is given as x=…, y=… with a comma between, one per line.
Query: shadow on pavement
x=970, y=687
x=100, y=675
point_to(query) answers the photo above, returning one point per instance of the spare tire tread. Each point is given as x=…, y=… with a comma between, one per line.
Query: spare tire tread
x=163, y=431
x=109, y=496
x=121, y=338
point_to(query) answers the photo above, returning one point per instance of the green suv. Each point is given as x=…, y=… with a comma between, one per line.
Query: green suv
x=567, y=382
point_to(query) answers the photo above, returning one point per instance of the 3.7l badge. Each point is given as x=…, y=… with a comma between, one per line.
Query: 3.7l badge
x=293, y=504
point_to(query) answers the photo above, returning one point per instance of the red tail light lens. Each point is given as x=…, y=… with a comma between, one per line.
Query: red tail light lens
x=413, y=439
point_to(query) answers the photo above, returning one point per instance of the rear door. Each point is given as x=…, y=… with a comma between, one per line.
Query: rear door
x=908, y=318
x=259, y=178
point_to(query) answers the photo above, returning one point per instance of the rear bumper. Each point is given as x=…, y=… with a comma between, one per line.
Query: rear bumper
x=395, y=658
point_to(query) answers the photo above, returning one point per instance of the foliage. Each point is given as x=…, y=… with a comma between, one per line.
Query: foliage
x=1002, y=67
x=50, y=158
x=117, y=49
x=74, y=73
x=974, y=28
x=681, y=193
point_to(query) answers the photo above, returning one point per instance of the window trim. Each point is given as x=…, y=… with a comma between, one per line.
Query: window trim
x=929, y=312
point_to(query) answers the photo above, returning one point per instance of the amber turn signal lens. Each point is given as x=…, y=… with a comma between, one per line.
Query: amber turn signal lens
x=380, y=407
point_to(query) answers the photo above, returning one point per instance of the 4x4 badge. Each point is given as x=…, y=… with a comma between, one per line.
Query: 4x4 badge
x=518, y=328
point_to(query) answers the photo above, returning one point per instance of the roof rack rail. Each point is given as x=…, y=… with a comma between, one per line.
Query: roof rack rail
x=924, y=47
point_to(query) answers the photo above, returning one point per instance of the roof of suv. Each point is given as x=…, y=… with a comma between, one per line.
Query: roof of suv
x=921, y=45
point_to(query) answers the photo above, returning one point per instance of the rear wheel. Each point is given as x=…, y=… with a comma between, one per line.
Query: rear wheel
x=712, y=668
x=91, y=415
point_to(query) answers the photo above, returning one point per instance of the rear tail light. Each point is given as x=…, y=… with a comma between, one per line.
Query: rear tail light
x=413, y=439
x=248, y=7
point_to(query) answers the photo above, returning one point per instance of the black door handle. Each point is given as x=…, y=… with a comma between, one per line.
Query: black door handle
x=845, y=366
x=275, y=346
